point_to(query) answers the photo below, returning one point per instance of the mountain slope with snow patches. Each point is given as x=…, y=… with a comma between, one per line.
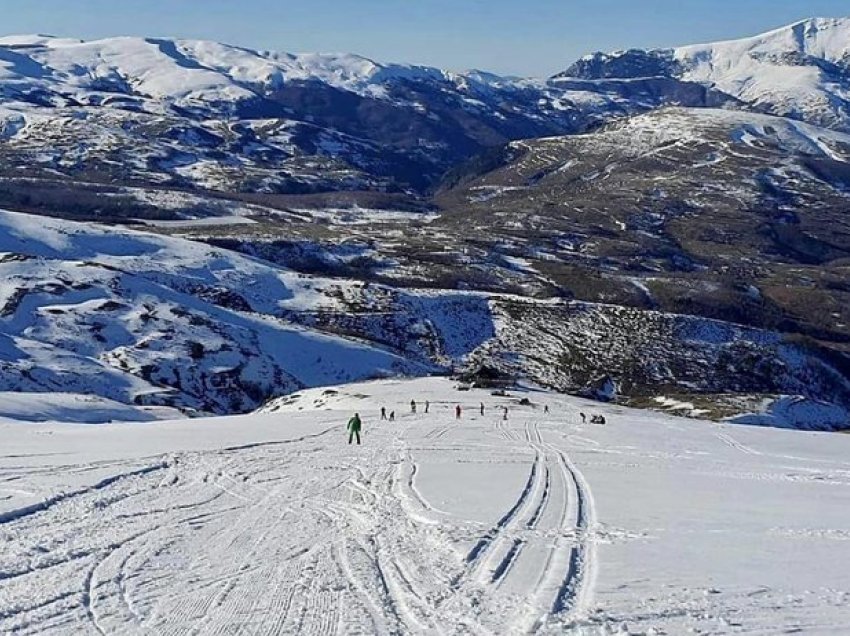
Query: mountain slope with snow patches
x=149, y=320
x=205, y=115
x=643, y=180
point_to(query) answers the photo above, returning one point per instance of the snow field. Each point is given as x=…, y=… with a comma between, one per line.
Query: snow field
x=271, y=523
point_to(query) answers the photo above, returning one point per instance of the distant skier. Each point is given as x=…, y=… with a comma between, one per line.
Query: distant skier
x=505, y=413
x=413, y=406
x=427, y=405
x=583, y=418
x=458, y=412
x=383, y=412
x=546, y=409
x=392, y=416
x=482, y=408
x=354, y=425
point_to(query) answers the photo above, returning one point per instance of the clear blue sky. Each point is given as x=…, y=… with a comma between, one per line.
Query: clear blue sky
x=526, y=37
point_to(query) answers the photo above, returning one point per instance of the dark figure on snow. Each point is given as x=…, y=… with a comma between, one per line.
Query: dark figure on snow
x=505, y=414
x=458, y=412
x=413, y=406
x=383, y=412
x=482, y=408
x=583, y=418
x=427, y=405
x=392, y=416
x=354, y=425
x=546, y=409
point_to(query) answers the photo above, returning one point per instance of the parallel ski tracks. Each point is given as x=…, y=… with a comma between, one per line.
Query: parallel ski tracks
x=555, y=512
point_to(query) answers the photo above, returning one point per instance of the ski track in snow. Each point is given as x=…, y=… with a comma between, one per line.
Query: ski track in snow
x=306, y=534
x=555, y=499
x=251, y=540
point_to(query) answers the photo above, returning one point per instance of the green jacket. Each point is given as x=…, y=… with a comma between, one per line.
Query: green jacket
x=354, y=424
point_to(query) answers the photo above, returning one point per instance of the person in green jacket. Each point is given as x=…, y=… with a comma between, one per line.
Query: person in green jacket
x=354, y=425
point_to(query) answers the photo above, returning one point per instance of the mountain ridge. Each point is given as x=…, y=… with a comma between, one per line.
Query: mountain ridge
x=801, y=70
x=463, y=221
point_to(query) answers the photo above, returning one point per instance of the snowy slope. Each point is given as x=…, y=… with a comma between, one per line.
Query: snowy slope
x=800, y=71
x=271, y=523
x=144, y=319
x=76, y=408
x=190, y=72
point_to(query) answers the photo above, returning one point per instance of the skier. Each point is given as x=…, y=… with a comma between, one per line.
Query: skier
x=458, y=412
x=583, y=418
x=354, y=425
x=482, y=408
x=383, y=412
x=392, y=416
x=413, y=406
x=505, y=414
x=546, y=409
x=427, y=405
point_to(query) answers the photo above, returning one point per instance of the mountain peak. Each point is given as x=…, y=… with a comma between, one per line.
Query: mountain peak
x=824, y=38
x=801, y=70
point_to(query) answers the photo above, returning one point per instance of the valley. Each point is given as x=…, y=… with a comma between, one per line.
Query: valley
x=635, y=223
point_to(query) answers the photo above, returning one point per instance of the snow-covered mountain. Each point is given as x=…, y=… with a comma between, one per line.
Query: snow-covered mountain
x=668, y=230
x=577, y=231
x=206, y=115
x=800, y=71
x=191, y=72
x=188, y=72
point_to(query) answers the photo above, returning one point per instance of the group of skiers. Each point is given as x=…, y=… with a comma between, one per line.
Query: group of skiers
x=594, y=419
x=355, y=424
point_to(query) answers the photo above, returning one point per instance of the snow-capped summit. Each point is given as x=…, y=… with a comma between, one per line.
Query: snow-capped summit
x=369, y=124
x=189, y=69
x=801, y=70
x=824, y=38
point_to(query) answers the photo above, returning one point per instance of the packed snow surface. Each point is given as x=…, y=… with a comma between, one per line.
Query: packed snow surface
x=272, y=523
x=76, y=408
